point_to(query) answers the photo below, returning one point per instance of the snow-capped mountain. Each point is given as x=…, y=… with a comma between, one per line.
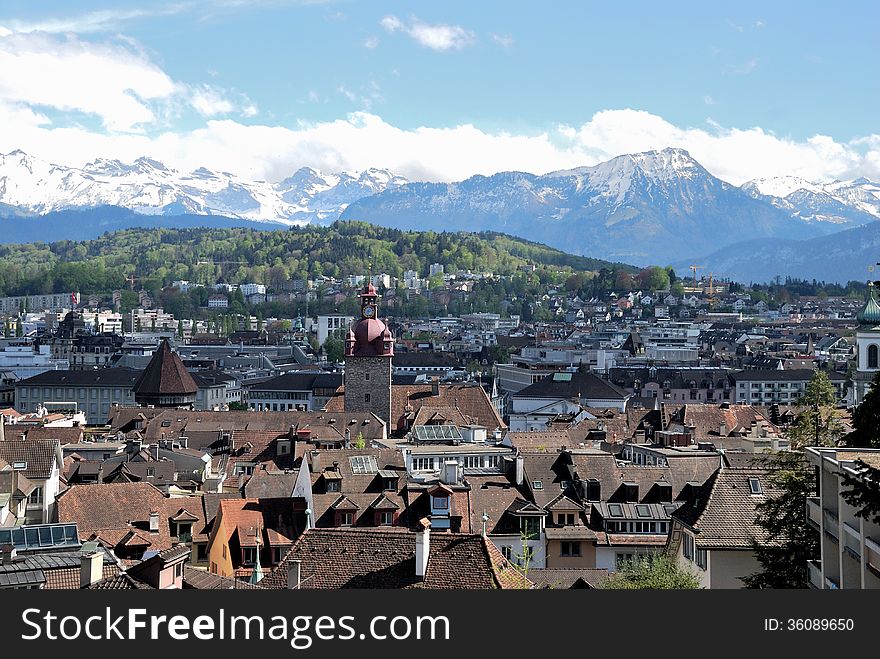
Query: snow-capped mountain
x=842, y=203
x=149, y=187
x=652, y=207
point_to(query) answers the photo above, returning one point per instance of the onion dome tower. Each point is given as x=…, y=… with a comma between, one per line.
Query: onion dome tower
x=369, y=347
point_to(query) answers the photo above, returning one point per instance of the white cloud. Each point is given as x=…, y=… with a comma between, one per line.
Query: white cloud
x=708, y=100
x=745, y=68
x=363, y=140
x=439, y=37
x=503, y=40
x=371, y=43
x=96, y=21
x=112, y=81
x=210, y=102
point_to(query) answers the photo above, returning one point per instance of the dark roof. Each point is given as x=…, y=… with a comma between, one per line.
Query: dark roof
x=39, y=454
x=571, y=385
x=360, y=558
x=789, y=375
x=723, y=512
x=425, y=358
x=165, y=374
x=565, y=578
x=300, y=382
x=102, y=377
x=204, y=580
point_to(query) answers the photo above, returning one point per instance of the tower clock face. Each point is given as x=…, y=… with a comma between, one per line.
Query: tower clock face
x=369, y=311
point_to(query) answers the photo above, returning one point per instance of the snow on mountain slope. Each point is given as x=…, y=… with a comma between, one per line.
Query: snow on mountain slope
x=149, y=187
x=844, y=203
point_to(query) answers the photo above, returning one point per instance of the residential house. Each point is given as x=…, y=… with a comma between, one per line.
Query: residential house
x=713, y=534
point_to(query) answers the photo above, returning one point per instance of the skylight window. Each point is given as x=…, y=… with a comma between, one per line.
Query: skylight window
x=537, y=485
x=755, y=486
x=643, y=511
x=363, y=464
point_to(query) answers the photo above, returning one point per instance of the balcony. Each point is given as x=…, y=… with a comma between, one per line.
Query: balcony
x=815, y=568
x=831, y=524
x=872, y=554
x=852, y=541
x=814, y=512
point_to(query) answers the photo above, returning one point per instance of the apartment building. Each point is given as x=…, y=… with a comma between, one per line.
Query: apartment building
x=849, y=545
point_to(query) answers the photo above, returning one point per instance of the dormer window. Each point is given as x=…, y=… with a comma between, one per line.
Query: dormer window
x=594, y=490
x=389, y=484
x=440, y=502
x=565, y=519
x=631, y=492
x=333, y=485
x=248, y=555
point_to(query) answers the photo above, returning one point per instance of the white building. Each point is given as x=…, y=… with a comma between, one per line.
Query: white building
x=252, y=289
x=849, y=544
x=335, y=325
x=218, y=302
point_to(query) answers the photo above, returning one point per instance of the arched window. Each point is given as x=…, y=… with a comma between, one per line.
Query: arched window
x=872, y=355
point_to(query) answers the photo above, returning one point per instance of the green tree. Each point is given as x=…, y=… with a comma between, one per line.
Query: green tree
x=19, y=328
x=180, y=328
x=819, y=424
x=864, y=491
x=360, y=441
x=866, y=419
x=788, y=541
x=334, y=349
x=651, y=572
x=653, y=278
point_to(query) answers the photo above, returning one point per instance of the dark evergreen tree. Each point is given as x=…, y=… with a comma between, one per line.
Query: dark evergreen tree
x=789, y=541
x=866, y=419
x=863, y=491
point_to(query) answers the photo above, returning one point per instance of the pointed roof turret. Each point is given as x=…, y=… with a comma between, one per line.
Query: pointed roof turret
x=165, y=380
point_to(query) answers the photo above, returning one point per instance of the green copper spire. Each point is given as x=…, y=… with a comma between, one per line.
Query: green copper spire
x=870, y=313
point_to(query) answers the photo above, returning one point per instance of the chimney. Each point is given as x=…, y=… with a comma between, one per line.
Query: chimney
x=450, y=472
x=435, y=386
x=293, y=575
x=317, y=462
x=423, y=551
x=101, y=473
x=154, y=521
x=91, y=568
x=519, y=476
x=7, y=554
x=722, y=429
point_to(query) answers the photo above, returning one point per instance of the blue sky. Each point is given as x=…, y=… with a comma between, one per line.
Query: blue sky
x=442, y=90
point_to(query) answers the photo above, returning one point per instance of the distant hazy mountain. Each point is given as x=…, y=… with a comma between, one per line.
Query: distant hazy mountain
x=653, y=207
x=149, y=187
x=841, y=257
x=842, y=203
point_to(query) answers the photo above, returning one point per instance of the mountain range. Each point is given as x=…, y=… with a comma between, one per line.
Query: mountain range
x=656, y=207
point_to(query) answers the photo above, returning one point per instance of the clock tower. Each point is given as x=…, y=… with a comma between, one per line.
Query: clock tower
x=369, y=347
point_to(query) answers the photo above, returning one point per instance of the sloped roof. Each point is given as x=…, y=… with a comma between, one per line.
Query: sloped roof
x=40, y=455
x=165, y=374
x=361, y=558
x=723, y=512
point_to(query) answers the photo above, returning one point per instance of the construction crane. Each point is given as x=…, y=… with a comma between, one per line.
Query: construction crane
x=694, y=268
x=711, y=299
x=131, y=279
